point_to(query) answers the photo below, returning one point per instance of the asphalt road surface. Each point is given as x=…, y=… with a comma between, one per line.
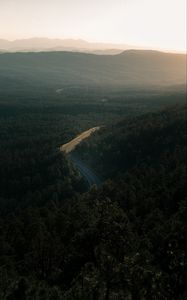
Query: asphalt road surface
x=83, y=169
x=70, y=146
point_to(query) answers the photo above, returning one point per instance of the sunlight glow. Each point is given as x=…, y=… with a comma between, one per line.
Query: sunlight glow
x=159, y=24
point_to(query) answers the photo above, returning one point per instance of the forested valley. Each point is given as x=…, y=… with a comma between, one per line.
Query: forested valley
x=60, y=239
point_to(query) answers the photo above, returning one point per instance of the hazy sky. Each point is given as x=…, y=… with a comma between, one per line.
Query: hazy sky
x=149, y=23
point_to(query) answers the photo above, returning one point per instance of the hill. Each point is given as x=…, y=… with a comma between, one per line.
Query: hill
x=133, y=68
x=147, y=139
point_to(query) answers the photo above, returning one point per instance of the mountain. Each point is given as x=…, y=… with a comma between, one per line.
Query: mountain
x=45, y=44
x=132, y=68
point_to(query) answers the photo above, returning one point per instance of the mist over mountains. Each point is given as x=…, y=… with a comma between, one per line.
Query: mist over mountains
x=46, y=44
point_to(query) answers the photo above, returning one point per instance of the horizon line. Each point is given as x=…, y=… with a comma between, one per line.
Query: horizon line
x=137, y=47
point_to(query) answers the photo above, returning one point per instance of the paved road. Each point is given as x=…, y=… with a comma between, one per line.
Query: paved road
x=83, y=169
x=70, y=146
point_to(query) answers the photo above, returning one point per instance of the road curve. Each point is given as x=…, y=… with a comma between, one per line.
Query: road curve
x=83, y=169
x=70, y=146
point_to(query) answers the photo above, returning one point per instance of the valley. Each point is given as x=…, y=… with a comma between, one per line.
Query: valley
x=93, y=150
x=92, y=176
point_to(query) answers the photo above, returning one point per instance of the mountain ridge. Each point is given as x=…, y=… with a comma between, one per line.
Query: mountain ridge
x=130, y=68
x=38, y=44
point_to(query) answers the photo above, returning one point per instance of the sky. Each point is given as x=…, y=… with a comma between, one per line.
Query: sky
x=157, y=24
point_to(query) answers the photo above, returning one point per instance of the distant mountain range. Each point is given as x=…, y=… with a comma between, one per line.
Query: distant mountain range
x=132, y=68
x=45, y=44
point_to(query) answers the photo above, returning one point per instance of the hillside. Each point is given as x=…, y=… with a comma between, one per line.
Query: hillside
x=133, y=68
x=146, y=139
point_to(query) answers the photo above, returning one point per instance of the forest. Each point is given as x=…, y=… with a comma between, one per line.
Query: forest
x=124, y=240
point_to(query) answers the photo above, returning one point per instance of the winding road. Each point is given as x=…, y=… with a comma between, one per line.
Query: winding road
x=70, y=146
x=86, y=172
x=83, y=169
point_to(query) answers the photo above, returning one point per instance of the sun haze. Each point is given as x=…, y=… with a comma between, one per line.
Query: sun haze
x=158, y=24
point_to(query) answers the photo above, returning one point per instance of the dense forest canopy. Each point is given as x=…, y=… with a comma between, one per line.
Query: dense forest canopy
x=60, y=240
x=59, y=237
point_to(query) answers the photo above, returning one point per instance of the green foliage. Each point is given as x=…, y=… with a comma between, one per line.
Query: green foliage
x=125, y=240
